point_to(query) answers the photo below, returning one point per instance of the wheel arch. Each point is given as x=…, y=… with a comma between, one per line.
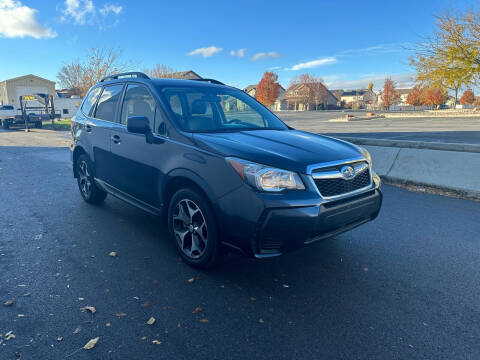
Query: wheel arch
x=79, y=150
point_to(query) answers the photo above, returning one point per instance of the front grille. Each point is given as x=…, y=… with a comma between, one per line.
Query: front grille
x=339, y=186
x=271, y=244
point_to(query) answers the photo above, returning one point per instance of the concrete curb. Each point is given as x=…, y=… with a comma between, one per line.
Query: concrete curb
x=448, y=167
x=413, y=144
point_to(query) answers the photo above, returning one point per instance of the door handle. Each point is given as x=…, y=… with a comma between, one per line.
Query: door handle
x=116, y=139
x=88, y=128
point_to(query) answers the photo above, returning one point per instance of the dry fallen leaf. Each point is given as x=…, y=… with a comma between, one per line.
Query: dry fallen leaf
x=26, y=294
x=253, y=299
x=120, y=314
x=146, y=304
x=156, y=342
x=81, y=299
x=113, y=253
x=203, y=320
x=77, y=330
x=261, y=321
x=191, y=280
x=143, y=338
x=89, y=308
x=9, y=302
x=20, y=315
x=9, y=335
x=59, y=338
x=91, y=344
x=197, y=310
x=365, y=269
x=151, y=321
x=108, y=324
x=38, y=237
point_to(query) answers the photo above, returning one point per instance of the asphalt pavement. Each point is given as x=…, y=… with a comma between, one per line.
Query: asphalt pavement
x=402, y=287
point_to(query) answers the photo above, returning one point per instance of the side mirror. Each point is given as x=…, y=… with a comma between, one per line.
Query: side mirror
x=138, y=125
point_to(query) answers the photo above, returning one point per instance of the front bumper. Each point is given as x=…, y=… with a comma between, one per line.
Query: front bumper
x=285, y=230
x=265, y=225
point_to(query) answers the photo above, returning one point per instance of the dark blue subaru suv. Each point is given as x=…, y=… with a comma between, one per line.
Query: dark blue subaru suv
x=224, y=170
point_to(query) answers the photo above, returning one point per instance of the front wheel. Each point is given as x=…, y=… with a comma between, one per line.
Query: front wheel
x=90, y=192
x=192, y=224
x=5, y=124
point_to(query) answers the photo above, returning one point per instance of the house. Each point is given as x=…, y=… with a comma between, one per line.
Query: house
x=403, y=94
x=251, y=90
x=184, y=75
x=12, y=89
x=302, y=97
x=359, y=97
x=279, y=104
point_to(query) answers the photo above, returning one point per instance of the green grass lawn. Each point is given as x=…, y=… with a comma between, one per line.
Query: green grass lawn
x=59, y=125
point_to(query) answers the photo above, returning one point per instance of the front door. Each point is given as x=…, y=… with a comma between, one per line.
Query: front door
x=135, y=162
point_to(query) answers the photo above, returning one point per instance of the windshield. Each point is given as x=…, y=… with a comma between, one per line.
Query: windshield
x=211, y=109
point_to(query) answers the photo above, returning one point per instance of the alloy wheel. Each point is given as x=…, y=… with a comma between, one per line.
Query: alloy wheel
x=84, y=179
x=190, y=228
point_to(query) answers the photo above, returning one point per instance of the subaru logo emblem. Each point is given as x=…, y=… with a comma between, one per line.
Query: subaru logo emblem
x=348, y=172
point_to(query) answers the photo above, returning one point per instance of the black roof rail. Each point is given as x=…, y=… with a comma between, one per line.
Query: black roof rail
x=213, y=81
x=119, y=75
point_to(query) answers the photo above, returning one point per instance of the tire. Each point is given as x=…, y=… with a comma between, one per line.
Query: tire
x=90, y=192
x=38, y=124
x=200, y=246
x=5, y=124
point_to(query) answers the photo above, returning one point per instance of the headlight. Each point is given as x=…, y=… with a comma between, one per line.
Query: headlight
x=366, y=155
x=266, y=178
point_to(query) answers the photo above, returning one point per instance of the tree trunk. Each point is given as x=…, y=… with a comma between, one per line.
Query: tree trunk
x=456, y=96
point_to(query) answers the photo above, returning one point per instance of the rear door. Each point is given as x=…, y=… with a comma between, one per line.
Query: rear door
x=136, y=163
x=99, y=126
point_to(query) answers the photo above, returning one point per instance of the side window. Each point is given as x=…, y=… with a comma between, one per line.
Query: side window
x=176, y=105
x=108, y=103
x=87, y=106
x=138, y=102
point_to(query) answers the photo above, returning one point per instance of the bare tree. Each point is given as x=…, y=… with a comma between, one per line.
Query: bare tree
x=160, y=71
x=80, y=75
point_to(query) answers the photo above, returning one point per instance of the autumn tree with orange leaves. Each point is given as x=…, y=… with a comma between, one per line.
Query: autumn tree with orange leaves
x=435, y=96
x=390, y=95
x=268, y=88
x=468, y=97
x=416, y=97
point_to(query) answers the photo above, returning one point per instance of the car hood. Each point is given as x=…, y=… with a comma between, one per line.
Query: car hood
x=286, y=149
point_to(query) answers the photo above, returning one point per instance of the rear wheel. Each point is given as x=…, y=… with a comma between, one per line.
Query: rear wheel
x=90, y=192
x=5, y=124
x=193, y=226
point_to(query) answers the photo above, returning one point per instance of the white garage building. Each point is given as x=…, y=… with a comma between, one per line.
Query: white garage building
x=12, y=89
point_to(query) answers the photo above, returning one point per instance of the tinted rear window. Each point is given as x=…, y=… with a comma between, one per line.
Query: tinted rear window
x=107, y=104
x=7, y=107
x=90, y=100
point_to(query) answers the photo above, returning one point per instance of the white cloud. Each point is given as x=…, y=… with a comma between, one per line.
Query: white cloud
x=83, y=12
x=265, y=55
x=107, y=8
x=80, y=11
x=378, y=49
x=405, y=80
x=238, y=53
x=205, y=51
x=313, y=64
x=275, y=68
x=17, y=20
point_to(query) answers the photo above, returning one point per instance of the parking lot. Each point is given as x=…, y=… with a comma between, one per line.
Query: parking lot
x=423, y=127
x=402, y=287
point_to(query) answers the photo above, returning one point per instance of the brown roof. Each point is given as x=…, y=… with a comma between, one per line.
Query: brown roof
x=185, y=75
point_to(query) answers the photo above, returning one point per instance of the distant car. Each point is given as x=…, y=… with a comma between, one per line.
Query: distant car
x=7, y=115
x=224, y=170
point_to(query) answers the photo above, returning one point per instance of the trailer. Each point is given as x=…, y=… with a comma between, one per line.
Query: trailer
x=32, y=115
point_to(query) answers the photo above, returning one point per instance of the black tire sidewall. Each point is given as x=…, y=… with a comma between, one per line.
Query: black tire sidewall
x=96, y=195
x=210, y=256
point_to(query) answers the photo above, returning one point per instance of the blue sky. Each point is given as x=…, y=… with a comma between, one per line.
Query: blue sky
x=346, y=43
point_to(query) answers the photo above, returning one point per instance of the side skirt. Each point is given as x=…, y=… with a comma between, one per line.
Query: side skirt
x=128, y=198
